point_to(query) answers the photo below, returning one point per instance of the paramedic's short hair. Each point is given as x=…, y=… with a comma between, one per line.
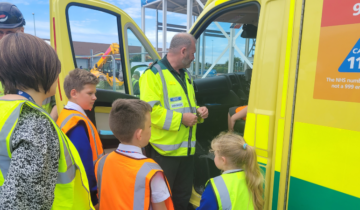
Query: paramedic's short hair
x=27, y=62
x=77, y=79
x=126, y=116
x=181, y=40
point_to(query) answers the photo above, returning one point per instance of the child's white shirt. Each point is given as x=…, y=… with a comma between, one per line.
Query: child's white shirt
x=159, y=189
x=73, y=106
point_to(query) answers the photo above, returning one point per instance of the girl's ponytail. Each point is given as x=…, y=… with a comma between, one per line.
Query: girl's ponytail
x=254, y=178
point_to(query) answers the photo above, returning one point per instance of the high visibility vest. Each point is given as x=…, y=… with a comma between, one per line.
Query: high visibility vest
x=232, y=192
x=68, y=119
x=1, y=90
x=72, y=189
x=169, y=137
x=46, y=105
x=134, y=81
x=124, y=182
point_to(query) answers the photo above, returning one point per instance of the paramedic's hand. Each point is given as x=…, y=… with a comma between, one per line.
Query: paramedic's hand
x=202, y=112
x=189, y=119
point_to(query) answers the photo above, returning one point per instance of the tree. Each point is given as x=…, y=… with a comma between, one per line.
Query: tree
x=237, y=64
x=137, y=58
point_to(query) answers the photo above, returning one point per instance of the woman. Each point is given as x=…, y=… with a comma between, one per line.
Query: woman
x=39, y=167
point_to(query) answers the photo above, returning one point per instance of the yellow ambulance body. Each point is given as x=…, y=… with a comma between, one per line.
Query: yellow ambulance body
x=303, y=106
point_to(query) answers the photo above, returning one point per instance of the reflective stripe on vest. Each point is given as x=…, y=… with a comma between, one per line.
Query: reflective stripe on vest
x=92, y=132
x=99, y=173
x=223, y=192
x=46, y=101
x=140, y=181
x=46, y=105
x=174, y=146
x=153, y=103
x=169, y=114
x=134, y=81
x=68, y=193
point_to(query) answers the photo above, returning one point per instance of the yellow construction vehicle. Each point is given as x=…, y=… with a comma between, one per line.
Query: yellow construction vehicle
x=98, y=70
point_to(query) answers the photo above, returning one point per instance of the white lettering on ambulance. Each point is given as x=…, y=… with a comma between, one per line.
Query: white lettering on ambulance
x=356, y=9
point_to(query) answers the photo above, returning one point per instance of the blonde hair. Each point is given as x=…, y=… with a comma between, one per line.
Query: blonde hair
x=231, y=146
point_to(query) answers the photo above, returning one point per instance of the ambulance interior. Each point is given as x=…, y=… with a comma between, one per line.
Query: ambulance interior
x=228, y=88
x=218, y=83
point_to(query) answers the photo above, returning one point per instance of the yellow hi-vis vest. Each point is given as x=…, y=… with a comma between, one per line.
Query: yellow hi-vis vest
x=72, y=189
x=1, y=90
x=159, y=88
x=46, y=105
x=232, y=192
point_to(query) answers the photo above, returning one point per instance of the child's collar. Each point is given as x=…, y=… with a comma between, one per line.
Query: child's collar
x=74, y=106
x=232, y=171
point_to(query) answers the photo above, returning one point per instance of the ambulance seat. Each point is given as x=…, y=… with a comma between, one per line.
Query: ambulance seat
x=239, y=127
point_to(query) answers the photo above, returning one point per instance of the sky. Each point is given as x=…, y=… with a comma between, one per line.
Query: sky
x=89, y=25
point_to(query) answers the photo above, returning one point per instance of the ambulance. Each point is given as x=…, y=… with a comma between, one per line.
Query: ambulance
x=303, y=101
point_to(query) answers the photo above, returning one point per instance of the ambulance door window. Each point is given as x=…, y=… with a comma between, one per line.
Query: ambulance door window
x=227, y=45
x=95, y=44
x=138, y=57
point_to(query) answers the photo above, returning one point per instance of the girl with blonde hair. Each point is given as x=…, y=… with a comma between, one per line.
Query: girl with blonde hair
x=241, y=184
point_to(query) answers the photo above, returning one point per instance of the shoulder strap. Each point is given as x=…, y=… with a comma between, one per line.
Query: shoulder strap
x=99, y=167
x=165, y=90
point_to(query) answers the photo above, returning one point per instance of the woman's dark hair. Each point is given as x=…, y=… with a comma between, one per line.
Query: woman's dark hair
x=27, y=62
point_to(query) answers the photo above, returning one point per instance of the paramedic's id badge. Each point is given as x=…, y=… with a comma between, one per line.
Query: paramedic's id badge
x=176, y=102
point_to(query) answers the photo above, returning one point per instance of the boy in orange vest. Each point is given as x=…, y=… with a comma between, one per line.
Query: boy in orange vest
x=126, y=178
x=80, y=88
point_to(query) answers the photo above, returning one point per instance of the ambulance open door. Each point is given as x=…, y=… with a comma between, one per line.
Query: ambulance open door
x=81, y=33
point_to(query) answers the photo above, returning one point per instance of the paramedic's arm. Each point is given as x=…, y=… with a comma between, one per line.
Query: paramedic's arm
x=151, y=92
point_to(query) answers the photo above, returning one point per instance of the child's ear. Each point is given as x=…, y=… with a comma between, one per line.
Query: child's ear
x=73, y=93
x=224, y=159
x=138, y=134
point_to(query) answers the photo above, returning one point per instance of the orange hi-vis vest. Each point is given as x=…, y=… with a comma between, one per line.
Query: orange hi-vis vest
x=68, y=119
x=124, y=182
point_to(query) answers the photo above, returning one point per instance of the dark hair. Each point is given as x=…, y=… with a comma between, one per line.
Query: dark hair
x=126, y=116
x=77, y=79
x=27, y=62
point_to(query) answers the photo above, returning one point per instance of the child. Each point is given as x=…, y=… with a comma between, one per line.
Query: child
x=80, y=88
x=126, y=178
x=236, y=113
x=241, y=176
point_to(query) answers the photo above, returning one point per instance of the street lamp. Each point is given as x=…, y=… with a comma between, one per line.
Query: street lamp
x=34, y=23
